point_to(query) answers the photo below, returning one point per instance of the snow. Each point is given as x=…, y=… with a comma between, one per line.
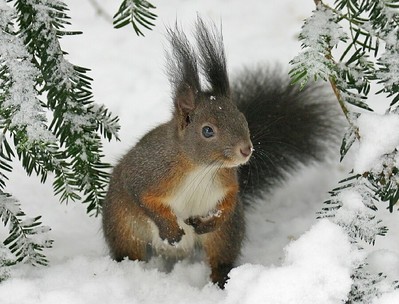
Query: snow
x=130, y=79
x=324, y=271
x=389, y=298
x=322, y=258
x=386, y=261
x=7, y=13
x=373, y=148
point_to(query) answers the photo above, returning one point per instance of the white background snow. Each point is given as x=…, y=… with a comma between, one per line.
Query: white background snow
x=288, y=257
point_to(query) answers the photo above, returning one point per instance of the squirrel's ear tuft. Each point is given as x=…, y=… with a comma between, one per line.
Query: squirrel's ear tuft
x=182, y=69
x=212, y=57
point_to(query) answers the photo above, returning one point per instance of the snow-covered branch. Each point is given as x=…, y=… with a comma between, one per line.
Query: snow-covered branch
x=352, y=73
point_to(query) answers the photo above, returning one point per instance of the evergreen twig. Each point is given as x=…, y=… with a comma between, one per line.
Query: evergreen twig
x=372, y=23
x=139, y=13
x=36, y=79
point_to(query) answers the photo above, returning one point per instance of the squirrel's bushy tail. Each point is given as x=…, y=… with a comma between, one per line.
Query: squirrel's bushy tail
x=289, y=127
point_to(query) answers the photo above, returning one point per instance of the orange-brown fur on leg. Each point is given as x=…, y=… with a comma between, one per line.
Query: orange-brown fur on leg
x=222, y=246
x=127, y=217
x=163, y=217
x=127, y=229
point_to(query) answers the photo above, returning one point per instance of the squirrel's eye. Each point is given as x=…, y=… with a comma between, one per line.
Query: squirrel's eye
x=207, y=132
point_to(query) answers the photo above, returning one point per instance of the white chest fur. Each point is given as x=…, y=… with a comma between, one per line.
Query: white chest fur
x=197, y=194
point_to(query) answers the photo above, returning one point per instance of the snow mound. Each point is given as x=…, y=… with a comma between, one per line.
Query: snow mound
x=316, y=270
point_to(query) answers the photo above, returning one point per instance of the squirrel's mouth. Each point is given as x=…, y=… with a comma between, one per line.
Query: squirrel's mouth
x=235, y=163
x=238, y=155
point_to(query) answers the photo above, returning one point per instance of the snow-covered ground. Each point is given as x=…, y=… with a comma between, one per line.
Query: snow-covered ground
x=288, y=256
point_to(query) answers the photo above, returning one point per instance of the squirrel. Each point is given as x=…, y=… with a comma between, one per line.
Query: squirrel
x=186, y=183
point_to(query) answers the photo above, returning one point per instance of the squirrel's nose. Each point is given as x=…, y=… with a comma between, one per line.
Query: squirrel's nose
x=246, y=151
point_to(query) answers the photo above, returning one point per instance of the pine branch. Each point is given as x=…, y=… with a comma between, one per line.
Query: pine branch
x=25, y=241
x=137, y=13
x=317, y=60
x=33, y=65
x=76, y=118
x=362, y=64
x=366, y=287
x=18, y=82
x=352, y=206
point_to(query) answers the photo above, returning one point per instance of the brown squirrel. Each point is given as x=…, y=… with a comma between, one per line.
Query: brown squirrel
x=185, y=183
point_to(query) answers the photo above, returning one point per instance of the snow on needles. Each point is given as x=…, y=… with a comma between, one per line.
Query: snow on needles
x=319, y=35
x=389, y=62
x=379, y=136
x=19, y=84
x=321, y=32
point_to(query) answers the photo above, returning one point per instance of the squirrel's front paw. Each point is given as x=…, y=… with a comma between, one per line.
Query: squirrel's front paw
x=201, y=225
x=171, y=234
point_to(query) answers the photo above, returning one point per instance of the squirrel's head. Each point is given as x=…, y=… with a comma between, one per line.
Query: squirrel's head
x=210, y=127
x=212, y=130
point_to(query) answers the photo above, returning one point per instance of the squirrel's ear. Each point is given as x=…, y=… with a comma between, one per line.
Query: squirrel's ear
x=185, y=99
